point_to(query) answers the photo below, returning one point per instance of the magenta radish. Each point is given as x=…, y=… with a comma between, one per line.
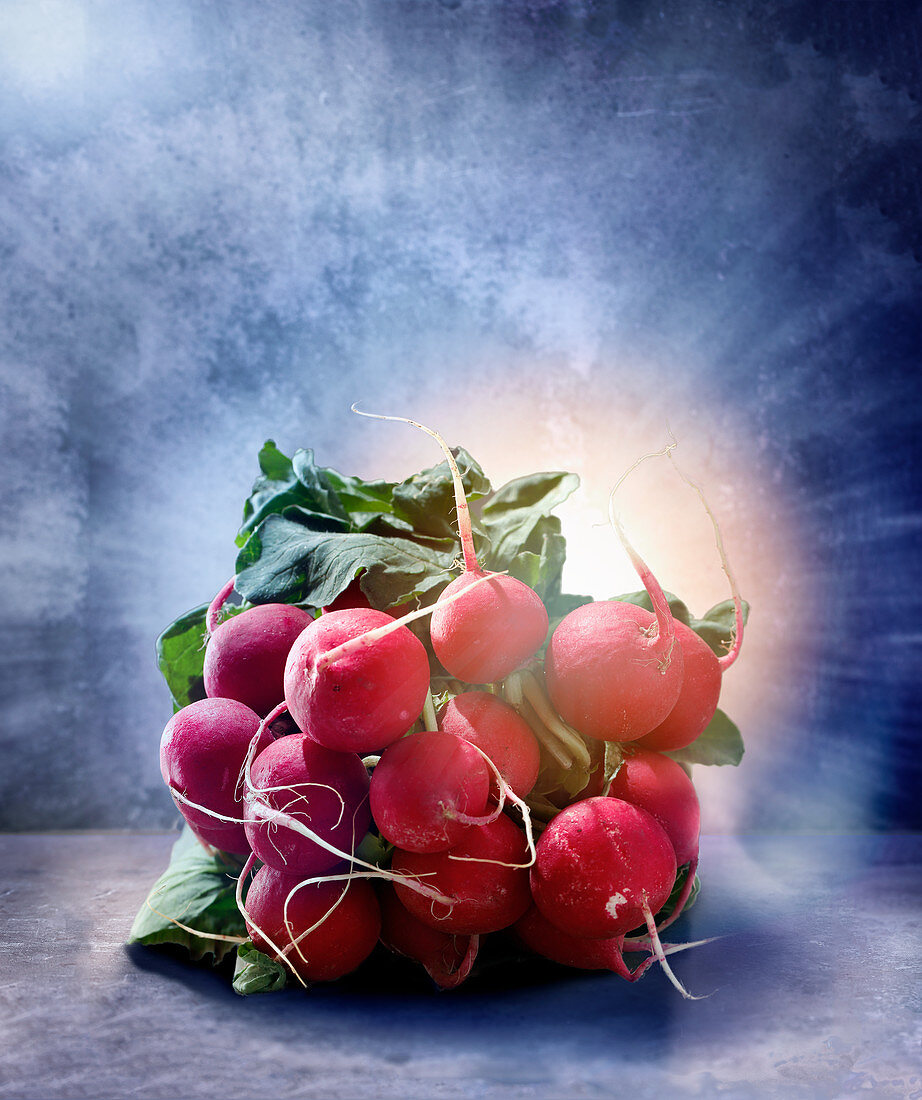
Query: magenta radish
x=245, y=657
x=360, y=697
x=662, y=788
x=326, y=791
x=447, y=958
x=495, y=628
x=321, y=930
x=485, y=874
x=428, y=790
x=202, y=751
x=498, y=730
x=601, y=866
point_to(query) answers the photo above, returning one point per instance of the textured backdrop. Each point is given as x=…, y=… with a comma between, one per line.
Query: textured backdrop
x=550, y=229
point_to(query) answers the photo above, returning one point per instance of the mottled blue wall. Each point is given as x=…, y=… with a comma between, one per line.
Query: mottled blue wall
x=221, y=222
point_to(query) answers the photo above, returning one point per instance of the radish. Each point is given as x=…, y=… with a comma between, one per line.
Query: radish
x=485, y=874
x=496, y=728
x=245, y=657
x=662, y=788
x=320, y=931
x=601, y=865
x=326, y=790
x=353, y=687
x=484, y=637
x=447, y=958
x=704, y=670
x=202, y=751
x=698, y=695
x=614, y=670
x=425, y=790
x=547, y=940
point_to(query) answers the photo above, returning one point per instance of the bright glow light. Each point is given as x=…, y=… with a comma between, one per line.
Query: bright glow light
x=43, y=43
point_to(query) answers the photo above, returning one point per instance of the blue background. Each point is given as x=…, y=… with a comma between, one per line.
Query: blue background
x=226, y=222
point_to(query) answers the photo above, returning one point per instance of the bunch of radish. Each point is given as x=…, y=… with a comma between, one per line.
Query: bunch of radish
x=529, y=792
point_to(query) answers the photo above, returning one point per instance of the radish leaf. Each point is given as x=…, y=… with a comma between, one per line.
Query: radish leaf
x=196, y=889
x=255, y=972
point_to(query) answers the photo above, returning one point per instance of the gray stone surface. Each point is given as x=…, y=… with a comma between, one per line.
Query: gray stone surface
x=814, y=993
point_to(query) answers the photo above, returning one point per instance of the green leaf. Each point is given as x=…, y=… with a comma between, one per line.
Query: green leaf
x=284, y=561
x=720, y=743
x=427, y=500
x=321, y=496
x=719, y=624
x=516, y=517
x=255, y=972
x=198, y=890
x=181, y=657
x=642, y=599
x=290, y=484
x=365, y=501
x=541, y=565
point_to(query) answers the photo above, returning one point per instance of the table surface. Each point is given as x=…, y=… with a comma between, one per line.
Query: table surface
x=814, y=992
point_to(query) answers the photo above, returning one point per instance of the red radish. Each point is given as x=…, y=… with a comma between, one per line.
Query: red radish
x=245, y=657
x=425, y=790
x=202, y=751
x=602, y=865
x=697, y=700
x=447, y=958
x=485, y=874
x=370, y=694
x=498, y=730
x=546, y=939
x=614, y=670
x=661, y=787
x=491, y=632
x=326, y=790
x=320, y=930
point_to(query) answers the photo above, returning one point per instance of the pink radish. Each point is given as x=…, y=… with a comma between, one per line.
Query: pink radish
x=447, y=958
x=321, y=931
x=326, y=790
x=482, y=638
x=697, y=700
x=351, y=690
x=602, y=865
x=498, y=730
x=245, y=657
x=613, y=670
x=485, y=874
x=425, y=790
x=202, y=751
